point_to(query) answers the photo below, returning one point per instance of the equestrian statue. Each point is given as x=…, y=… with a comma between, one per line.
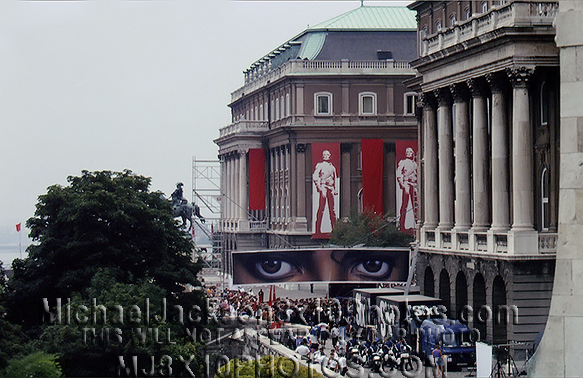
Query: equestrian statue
x=183, y=209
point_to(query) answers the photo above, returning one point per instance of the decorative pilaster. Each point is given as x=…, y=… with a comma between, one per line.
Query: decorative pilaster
x=500, y=165
x=430, y=159
x=445, y=153
x=462, y=158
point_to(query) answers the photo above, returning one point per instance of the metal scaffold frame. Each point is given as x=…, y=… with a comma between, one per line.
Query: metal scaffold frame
x=206, y=193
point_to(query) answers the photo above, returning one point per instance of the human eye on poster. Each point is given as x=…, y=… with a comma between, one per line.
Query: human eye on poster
x=325, y=188
x=321, y=265
x=406, y=182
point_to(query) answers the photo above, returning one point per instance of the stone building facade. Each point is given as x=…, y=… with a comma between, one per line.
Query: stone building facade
x=341, y=82
x=489, y=133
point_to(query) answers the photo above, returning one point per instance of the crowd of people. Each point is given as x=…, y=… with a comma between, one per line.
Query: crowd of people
x=330, y=322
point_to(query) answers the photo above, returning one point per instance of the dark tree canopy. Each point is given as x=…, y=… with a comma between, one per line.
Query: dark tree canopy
x=369, y=229
x=100, y=220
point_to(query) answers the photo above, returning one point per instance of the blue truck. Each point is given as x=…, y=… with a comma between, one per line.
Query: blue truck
x=455, y=339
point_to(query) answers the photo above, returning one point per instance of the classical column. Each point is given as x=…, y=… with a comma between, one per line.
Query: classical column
x=302, y=222
x=236, y=200
x=430, y=171
x=223, y=191
x=500, y=168
x=522, y=150
x=228, y=187
x=243, y=197
x=462, y=158
x=480, y=158
x=445, y=152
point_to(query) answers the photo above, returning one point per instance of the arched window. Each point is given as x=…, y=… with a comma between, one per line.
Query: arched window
x=461, y=295
x=452, y=19
x=429, y=284
x=410, y=101
x=367, y=103
x=502, y=315
x=480, y=309
x=445, y=290
x=437, y=25
x=322, y=103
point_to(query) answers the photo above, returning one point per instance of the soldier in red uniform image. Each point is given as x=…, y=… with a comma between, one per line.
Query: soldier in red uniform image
x=325, y=179
x=407, y=179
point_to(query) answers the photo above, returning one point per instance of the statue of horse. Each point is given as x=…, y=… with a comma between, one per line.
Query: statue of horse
x=186, y=211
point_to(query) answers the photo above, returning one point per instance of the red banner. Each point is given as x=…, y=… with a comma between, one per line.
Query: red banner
x=256, y=179
x=407, y=193
x=372, y=175
x=325, y=188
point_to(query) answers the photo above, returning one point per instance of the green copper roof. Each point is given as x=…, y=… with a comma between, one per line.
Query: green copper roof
x=371, y=18
x=312, y=46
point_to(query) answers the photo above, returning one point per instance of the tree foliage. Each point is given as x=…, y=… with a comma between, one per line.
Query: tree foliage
x=37, y=364
x=104, y=240
x=100, y=220
x=369, y=229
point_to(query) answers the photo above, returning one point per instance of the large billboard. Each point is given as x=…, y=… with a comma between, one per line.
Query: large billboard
x=325, y=188
x=406, y=181
x=342, y=265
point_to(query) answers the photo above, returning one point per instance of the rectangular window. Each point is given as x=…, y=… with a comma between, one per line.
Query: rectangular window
x=410, y=100
x=323, y=104
x=367, y=103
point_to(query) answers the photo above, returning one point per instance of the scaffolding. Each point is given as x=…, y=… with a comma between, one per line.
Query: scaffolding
x=206, y=193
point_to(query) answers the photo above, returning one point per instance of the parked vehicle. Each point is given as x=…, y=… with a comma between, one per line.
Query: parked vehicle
x=454, y=338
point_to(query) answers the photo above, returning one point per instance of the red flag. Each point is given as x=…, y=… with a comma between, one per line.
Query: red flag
x=18, y=227
x=256, y=179
x=372, y=175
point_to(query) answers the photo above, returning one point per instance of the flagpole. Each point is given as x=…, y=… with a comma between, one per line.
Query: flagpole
x=20, y=243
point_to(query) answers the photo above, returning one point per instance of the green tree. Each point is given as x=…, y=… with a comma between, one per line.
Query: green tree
x=372, y=230
x=38, y=364
x=100, y=220
x=105, y=238
x=12, y=338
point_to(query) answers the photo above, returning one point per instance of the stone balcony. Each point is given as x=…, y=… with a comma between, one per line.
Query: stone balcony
x=260, y=77
x=519, y=14
x=244, y=126
x=488, y=242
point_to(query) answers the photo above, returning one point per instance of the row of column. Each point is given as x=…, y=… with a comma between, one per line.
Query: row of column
x=465, y=176
x=234, y=182
x=279, y=175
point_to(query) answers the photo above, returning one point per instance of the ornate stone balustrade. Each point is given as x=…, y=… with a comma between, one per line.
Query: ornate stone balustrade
x=244, y=126
x=259, y=78
x=517, y=13
x=483, y=242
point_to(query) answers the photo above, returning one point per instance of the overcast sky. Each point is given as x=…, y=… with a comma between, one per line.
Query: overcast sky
x=110, y=85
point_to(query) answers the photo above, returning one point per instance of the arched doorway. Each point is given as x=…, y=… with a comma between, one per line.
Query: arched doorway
x=501, y=313
x=481, y=311
x=445, y=291
x=428, y=284
x=461, y=296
